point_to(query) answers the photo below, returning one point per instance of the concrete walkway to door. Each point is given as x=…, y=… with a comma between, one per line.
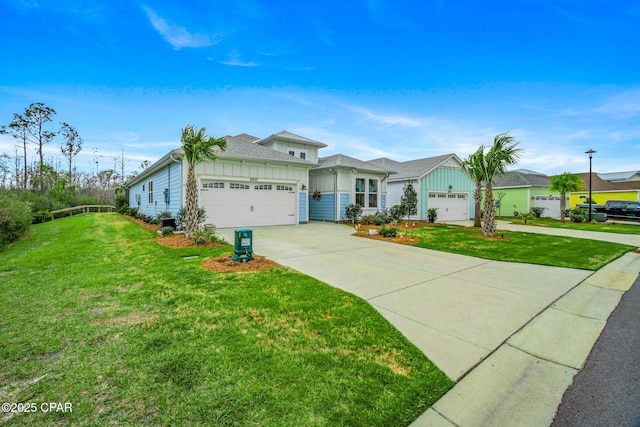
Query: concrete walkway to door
x=457, y=309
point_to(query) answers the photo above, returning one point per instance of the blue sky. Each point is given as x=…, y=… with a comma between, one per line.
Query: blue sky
x=399, y=79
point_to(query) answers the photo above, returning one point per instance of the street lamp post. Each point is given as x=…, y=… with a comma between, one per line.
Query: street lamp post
x=590, y=153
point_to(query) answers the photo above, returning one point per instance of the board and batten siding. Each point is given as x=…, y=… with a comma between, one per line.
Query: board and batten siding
x=440, y=180
x=247, y=170
x=169, y=178
x=395, y=191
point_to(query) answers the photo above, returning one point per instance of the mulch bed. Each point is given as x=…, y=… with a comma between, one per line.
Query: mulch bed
x=224, y=264
x=221, y=264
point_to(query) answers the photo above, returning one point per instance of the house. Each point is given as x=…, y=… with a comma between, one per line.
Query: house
x=338, y=181
x=521, y=189
x=253, y=182
x=608, y=186
x=438, y=181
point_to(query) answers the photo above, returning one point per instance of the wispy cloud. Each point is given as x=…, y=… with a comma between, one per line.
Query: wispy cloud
x=234, y=60
x=178, y=37
x=621, y=106
x=387, y=120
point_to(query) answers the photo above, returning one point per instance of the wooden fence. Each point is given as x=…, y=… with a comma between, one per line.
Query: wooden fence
x=80, y=210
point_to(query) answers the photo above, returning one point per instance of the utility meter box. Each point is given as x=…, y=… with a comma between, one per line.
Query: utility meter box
x=243, y=248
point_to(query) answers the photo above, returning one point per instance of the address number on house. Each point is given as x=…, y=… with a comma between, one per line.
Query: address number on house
x=254, y=179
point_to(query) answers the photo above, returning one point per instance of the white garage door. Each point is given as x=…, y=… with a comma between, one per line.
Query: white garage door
x=550, y=204
x=248, y=204
x=451, y=206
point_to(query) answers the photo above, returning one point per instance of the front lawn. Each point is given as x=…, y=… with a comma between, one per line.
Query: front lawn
x=606, y=227
x=522, y=247
x=95, y=313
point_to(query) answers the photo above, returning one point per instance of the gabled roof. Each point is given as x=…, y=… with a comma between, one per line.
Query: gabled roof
x=342, y=161
x=284, y=135
x=242, y=147
x=413, y=169
x=619, y=176
x=521, y=178
x=239, y=147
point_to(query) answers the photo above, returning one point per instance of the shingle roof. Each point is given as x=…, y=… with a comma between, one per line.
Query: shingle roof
x=243, y=147
x=412, y=168
x=288, y=136
x=340, y=160
x=521, y=178
x=618, y=176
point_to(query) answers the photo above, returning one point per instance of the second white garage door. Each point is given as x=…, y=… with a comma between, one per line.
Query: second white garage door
x=244, y=204
x=451, y=206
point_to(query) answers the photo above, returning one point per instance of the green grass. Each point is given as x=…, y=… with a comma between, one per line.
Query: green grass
x=95, y=313
x=606, y=227
x=522, y=247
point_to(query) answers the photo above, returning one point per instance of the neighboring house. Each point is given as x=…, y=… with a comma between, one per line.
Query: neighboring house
x=616, y=186
x=253, y=182
x=339, y=181
x=438, y=181
x=522, y=189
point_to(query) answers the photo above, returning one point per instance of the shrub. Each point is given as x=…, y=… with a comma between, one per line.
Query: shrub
x=41, y=216
x=201, y=237
x=578, y=215
x=15, y=218
x=432, y=214
x=537, y=212
x=165, y=214
x=120, y=202
x=182, y=216
x=353, y=212
x=382, y=217
x=391, y=231
x=397, y=212
x=527, y=216
x=367, y=220
x=166, y=231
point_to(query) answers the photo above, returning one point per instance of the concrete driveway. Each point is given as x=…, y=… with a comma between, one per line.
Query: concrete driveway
x=456, y=309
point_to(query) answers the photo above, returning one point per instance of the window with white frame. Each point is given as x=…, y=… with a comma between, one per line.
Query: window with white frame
x=150, y=186
x=367, y=192
x=303, y=155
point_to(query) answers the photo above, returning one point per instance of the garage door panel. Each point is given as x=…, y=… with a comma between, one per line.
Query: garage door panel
x=233, y=204
x=451, y=206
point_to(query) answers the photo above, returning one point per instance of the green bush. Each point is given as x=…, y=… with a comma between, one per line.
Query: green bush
x=182, y=216
x=166, y=231
x=41, y=216
x=15, y=218
x=382, y=217
x=537, y=211
x=201, y=237
x=121, y=201
x=391, y=231
x=527, y=216
x=353, y=213
x=578, y=215
x=368, y=220
x=432, y=214
x=397, y=212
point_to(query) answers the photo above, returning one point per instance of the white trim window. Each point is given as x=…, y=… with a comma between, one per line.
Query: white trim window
x=367, y=195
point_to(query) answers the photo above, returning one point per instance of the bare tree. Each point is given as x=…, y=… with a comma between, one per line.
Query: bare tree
x=71, y=146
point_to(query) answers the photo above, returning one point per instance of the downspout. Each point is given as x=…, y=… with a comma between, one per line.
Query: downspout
x=169, y=184
x=336, y=202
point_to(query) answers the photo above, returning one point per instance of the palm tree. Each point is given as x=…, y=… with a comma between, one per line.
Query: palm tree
x=565, y=183
x=503, y=153
x=197, y=148
x=472, y=165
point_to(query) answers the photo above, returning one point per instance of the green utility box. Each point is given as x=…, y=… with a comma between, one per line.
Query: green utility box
x=243, y=248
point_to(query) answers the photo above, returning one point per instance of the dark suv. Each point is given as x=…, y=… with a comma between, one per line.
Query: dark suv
x=631, y=209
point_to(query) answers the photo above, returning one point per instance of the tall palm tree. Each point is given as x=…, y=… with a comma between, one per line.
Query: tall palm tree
x=197, y=148
x=565, y=183
x=503, y=153
x=473, y=166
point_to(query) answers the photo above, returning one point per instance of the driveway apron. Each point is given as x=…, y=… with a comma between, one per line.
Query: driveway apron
x=456, y=309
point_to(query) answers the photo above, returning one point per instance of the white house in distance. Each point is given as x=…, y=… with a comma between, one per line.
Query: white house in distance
x=281, y=180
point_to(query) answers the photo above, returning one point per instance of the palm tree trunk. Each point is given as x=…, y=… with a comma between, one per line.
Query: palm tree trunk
x=477, y=198
x=192, y=203
x=489, y=225
x=563, y=206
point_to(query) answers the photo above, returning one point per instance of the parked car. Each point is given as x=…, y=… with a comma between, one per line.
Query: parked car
x=614, y=207
x=631, y=209
x=594, y=207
